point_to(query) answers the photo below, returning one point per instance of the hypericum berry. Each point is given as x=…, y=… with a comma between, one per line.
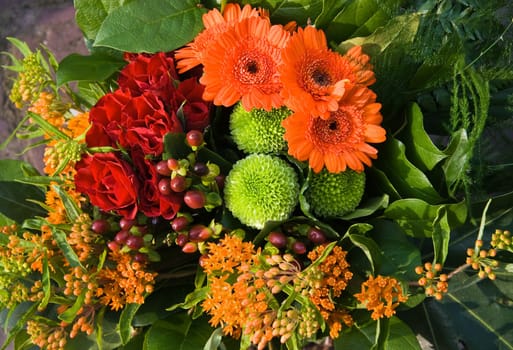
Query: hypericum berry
x=190, y=247
x=113, y=246
x=173, y=164
x=140, y=257
x=194, y=138
x=316, y=236
x=179, y=223
x=121, y=236
x=220, y=179
x=200, y=169
x=200, y=233
x=178, y=183
x=162, y=168
x=278, y=239
x=181, y=239
x=299, y=247
x=100, y=226
x=134, y=242
x=194, y=199
x=126, y=224
x=164, y=186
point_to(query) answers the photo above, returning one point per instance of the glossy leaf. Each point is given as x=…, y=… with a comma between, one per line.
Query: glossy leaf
x=416, y=217
x=12, y=169
x=90, y=14
x=180, y=330
x=459, y=153
x=125, y=322
x=17, y=200
x=419, y=146
x=369, y=248
x=96, y=67
x=441, y=235
x=368, y=207
x=151, y=25
x=409, y=180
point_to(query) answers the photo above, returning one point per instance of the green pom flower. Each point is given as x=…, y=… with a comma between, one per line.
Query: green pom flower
x=258, y=130
x=260, y=188
x=331, y=195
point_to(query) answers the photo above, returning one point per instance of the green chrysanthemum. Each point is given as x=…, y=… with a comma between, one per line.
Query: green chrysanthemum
x=260, y=188
x=258, y=130
x=331, y=195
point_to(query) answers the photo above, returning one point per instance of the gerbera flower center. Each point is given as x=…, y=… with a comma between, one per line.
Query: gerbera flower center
x=337, y=128
x=320, y=77
x=253, y=67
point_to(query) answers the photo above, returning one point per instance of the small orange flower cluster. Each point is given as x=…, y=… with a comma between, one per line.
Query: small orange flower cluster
x=48, y=107
x=245, y=58
x=50, y=337
x=243, y=288
x=482, y=260
x=84, y=241
x=127, y=283
x=335, y=274
x=381, y=295
x=501, y=239
x=434, y=284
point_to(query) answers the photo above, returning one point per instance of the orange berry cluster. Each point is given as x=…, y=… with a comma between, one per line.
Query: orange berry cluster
x=47, y=336
x=481, y=260
x=434, y=284
x=502, y=240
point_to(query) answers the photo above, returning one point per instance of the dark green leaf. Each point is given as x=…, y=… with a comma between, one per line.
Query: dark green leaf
x=175, y=146
x=399, y=255
x=151, y=25
x=454, y=166
x=14, y=201
x=441, y=235
x=96, y=67
x=13, y=170
x=215, y=340
x=368, y=207
x=370, y=249
x=419, y=147
x=180, y=330
x=416, y=217
x=125, y=322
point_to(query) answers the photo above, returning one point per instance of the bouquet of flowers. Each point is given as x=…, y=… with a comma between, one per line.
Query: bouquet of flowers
x=264, y=175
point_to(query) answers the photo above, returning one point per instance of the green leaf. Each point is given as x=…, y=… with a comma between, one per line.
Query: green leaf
x=368, y=207
x=419, y=147
x=17, y=201
x=400, y=336
x=454, y=166
x=72, y=209
x=300, y=11
x=409, y=180
x=416, y=217
x=175, y=146
x=399, y=256
x=96, y=67
x=151, y=25
x=370, y=249
x=215, y=340
x=441, y=235
x=67, y=250
x=125, y=322
x=12, y=170
x=90, y=14
x=180, y=330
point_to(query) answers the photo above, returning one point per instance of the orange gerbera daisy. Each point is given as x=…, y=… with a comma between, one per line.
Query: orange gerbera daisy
x=314, y=77
x=243, y=64
x=340, y=140
x=215, y=24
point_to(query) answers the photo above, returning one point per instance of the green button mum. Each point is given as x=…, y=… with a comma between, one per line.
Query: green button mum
x=333, y=195
x=258, y=130
x=260, y=188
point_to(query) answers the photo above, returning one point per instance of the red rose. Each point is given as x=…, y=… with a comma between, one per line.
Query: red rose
x=195, y=110
x=120, y=119
x=151, y=202
x=152, y=73
x=109, y=182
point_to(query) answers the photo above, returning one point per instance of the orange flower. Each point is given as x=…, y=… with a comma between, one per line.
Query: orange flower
x=215, y=24
x=314, y=77
x=243, y=63
x=381, y=295
x=340, y=140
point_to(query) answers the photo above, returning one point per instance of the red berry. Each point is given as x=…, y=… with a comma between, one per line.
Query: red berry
x=200, y=233
x=162, y=168
x=165, y=186
x=278, y=239
x=173, y=164
x=134, y=242
x=194, y=138
x=190, y=247
x=121, y=236
x=220, y=181
x=180, y=223
x=181, y=239
x=113, y=246
x=140, y=257
x=126, y=224
x=100, y=226
x=316, y=236
x=178, y=183
x=299, y=247
x=194, y=199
